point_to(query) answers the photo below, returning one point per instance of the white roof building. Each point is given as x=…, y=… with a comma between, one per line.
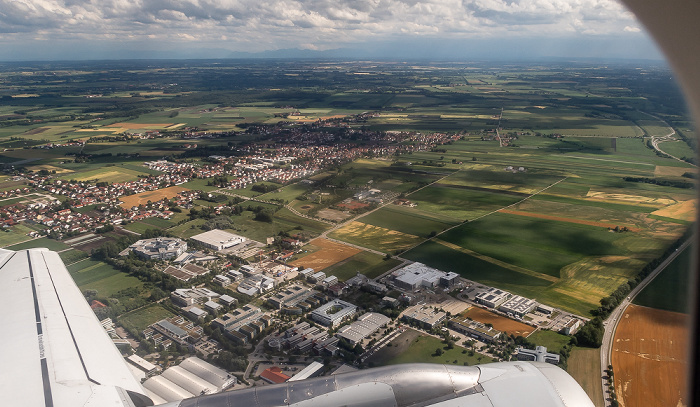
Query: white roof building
x=208, y=372
x=189, y=381
x=366, y=325
x=166, y=389
x=218, y=239
x=333, y=312
x=312, y=370
x=417, y=275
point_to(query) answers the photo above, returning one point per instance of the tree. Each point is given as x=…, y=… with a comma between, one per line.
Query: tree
x=438, y=352
x=591, y=334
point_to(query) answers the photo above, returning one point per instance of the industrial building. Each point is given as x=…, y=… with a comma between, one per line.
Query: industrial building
x=222, y=280
x=312, y=370
x=160, y=248
x=217, y=239
x=192, y=377
x=417, y=275
x=333, y=313
x=540, y=354
x=475, y=329
x=148, y=368
x=243, y=324
x=518, y=306
x=317, y=277
x=366, y=325
x=189, y=296
x=423, y=315
x=256, y=284
x=492, y=298
x=571, y=326
x=290, y=296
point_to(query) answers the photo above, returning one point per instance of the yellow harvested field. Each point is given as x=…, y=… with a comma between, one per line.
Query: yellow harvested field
x=153, y=196
x=650, y=358
x=663, y=171
x=643, y=200
x=133, y=126
x=58, y=170
x=376, y=237
x=329, y=254
x=686, y=210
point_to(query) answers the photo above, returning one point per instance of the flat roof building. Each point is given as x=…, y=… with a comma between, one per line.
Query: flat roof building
x=188, y=296
x=290, y=296
x=474, y=329
x=312, y=370
x=366, y=325
x=423, y=315
x=218, y=239
x=333, y=313
x=417, y=275
x=518, y=306
x=492, y=298
x=540, y=354
x=147, y=367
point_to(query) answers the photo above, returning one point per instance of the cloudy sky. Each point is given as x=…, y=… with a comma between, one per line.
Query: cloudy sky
x=87, y=29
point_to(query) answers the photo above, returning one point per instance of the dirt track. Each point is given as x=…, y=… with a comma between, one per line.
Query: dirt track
x=649, y=358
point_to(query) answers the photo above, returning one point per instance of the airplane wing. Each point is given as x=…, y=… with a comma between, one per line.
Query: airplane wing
x=56, y=351
x=58, y=355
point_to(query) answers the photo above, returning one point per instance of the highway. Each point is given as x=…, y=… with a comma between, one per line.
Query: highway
x=611, y=322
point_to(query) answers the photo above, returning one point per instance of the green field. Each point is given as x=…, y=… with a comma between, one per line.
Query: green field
x=422, y=349
x=539, y=245
x=460, y=203
x=41, y=242
x=14, y=235
x=669, y=290
x=553, y=341
x=406, y=220
x=584, y=366
x=140, y=319
x=109, y=174
x=72, y=256
x=96, y=275
x=370, y=264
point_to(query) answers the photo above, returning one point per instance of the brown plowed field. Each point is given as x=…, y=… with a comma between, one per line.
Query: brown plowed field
x=499, y=323
x=153, y=196
x=569, y=220
x=649, y=358
x=330, y=254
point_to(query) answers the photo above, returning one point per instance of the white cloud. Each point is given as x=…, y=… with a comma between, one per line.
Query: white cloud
x=317, y=23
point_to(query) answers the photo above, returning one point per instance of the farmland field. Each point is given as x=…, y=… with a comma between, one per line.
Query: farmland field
x=584, y=366
x=370, y=264
x=104, y=174
x=96, y=275
x=674, y=279
x=153, y=196
x=329, y=254
x=375, y=237
x=649, y=357
x=411, y=221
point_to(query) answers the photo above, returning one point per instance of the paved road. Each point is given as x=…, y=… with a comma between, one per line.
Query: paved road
x=611, y=322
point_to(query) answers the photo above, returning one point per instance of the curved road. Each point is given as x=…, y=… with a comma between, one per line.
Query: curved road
x=611, y=322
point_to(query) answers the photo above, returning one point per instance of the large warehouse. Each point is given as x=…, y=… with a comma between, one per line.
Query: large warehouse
x=190, y=378
x=218, y=239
